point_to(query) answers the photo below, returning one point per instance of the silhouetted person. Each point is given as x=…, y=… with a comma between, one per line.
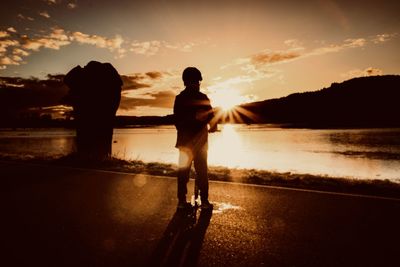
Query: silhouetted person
x=192, y=114
x=95, y=93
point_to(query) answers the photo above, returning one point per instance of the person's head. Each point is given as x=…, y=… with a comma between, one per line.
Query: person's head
x=191, y=77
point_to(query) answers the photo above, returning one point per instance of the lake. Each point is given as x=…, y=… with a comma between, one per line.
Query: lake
x=352, y=153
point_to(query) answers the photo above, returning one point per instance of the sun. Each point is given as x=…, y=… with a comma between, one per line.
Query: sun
x=227, y=104
x=227, y=99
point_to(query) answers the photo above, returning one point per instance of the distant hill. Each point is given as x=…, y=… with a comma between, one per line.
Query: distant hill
x=360, y=102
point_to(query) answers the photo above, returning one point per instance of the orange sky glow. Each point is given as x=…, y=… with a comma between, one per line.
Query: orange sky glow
x=247, y=51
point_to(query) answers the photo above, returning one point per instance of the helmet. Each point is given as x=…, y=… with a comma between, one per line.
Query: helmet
x=191, y=74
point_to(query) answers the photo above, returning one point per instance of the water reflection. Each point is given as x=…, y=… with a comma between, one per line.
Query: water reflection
x=36, y=143
x=152, y=144
x=360, y=153
x=225, y=147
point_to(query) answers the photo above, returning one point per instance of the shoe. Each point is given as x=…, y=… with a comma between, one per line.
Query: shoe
x=183, y=205
x=206, y=205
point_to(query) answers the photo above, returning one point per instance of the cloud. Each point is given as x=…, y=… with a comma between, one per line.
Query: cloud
x=32, y=94
x=144, y=90
x=56, y=39
x=59, y=34
x=270, y=57
x=52, y=2
x=44, y=14
x=183, y=47
x=16, y=58
x=112, y=44
x=362, y=73
x=259, y=61
x=33, y=44
x=155, y=74
x=258, y=66
x=20, y=52
x=11, y=29
x=20, y=94
x=4, y=34
x=56, y=112
x=141, y=80
x=69, y=4
x=265, y=58
x=348, y=43
x=148, y=48
x=9, y=61
x=294, y=44
x=20, y=16
x=372, y=71
x=4, y=44
x=352, y=43
x=72, y=5
x=160, y=99
x=133, y=82
x=45, y=42
x=383, y=38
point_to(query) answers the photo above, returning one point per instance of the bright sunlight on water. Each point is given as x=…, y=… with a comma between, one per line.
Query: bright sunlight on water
x=358, y=153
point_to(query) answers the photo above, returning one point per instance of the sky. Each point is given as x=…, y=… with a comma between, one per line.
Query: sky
x=246, y=50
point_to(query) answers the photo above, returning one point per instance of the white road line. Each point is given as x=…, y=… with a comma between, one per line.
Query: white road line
x=212, y=181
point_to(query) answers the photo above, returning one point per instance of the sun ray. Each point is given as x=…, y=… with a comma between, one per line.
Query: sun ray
x=236, y=116
x=248, y=114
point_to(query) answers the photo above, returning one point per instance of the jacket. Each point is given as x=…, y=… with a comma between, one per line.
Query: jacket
x=192, y=113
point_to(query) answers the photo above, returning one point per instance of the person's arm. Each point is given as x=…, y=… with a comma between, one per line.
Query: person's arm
x=211, y=119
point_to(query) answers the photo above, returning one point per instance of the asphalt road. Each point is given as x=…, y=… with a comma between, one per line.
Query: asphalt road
x=58, y=216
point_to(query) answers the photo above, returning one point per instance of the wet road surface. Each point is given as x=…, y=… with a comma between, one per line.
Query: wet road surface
x=58, y=216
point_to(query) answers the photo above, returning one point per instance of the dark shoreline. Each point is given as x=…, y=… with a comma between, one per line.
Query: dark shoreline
x=268, y=124
x=374, y=187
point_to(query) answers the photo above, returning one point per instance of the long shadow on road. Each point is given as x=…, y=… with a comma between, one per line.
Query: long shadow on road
x=182, y=240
